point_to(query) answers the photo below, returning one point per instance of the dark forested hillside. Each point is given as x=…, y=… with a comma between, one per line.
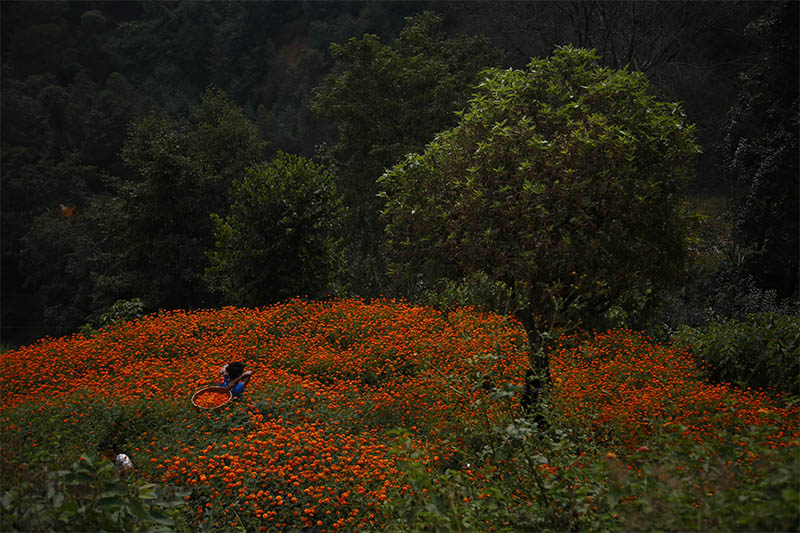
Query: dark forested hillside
x=77, y=75
x=126, y=125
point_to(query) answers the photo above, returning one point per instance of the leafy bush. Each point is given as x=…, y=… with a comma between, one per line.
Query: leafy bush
x=762, y=350
x=123, y=310
x=634, y=440
x=90, y=496
x=562, y=480
x=522, y=480
x=712, y=294
x=737, y=483
x=281, y=236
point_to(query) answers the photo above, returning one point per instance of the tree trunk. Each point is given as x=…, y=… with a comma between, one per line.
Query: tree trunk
x=539, y=360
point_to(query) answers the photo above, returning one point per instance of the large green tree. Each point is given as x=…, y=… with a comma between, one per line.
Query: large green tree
x=281, y=237
x=388, y=100
x=159, y=220
x=563, y=181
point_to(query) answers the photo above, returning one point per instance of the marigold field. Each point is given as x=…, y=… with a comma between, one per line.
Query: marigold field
x=313, y=441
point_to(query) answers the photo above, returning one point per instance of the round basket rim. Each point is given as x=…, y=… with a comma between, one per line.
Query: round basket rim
x=216, y=388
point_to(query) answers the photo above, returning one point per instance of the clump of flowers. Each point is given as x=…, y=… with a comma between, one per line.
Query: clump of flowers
x=628, y=389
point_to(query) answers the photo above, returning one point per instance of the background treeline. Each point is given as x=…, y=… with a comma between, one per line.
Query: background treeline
x=197, y=154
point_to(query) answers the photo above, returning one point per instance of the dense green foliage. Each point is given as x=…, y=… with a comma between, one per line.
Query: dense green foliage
x=579, y=488
x=281, y=236
x=761, y=146
x=90, y=496
x=76, y=75
x=181, y=174
x=87, y=254
x=166, y=155
x=56, y=253
x=761, y=351
x=80, y=78
x=388, y=100
x=563, y=181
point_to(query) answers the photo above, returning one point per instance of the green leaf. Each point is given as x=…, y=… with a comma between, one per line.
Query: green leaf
x=115, y=490
x=138, y=510
x=161, y=518
x=109, y=501
x=147, y=491
x=67, y=511
x=75, y=478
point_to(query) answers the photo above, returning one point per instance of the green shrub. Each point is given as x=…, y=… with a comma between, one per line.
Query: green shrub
x=90, y=496
x=281, y=235
x=522, y=478
x=559, y=479
x=763, y=350
x=120, y=311
x=686, y=485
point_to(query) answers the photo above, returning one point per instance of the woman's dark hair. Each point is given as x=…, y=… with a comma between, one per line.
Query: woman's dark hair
x=235, y=370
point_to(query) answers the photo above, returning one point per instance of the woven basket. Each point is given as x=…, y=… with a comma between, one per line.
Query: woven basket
x=212, y=389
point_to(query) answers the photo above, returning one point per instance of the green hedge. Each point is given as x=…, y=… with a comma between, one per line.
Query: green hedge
x=763, y=350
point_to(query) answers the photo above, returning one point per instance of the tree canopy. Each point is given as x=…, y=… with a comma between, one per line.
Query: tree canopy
x=562, y=180
x=281, y=238
x=356, y=86
x=181, y=174
x=388, y=100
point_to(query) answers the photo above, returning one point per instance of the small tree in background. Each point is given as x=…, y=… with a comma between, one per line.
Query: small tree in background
x=280, y=238
x=386, y=101
x=158, y=226
x=562, y=181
